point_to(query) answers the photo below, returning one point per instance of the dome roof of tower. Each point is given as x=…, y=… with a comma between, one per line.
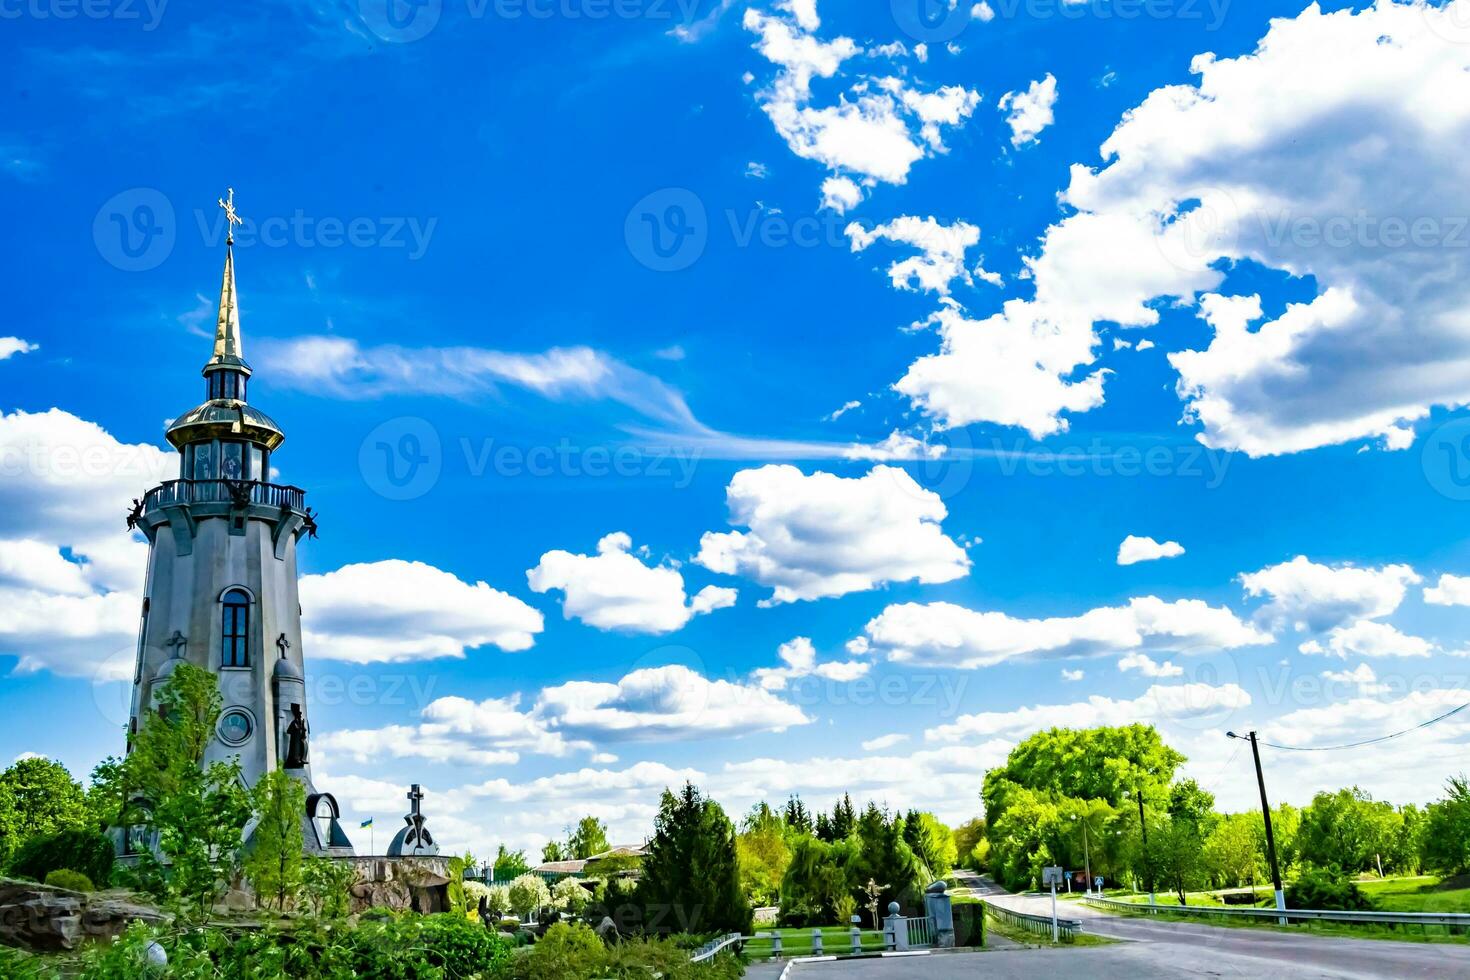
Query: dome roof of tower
x=286, y=670
x=221, y=418
x=166, y=669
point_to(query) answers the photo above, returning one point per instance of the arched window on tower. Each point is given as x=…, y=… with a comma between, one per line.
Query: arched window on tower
x=235, y=629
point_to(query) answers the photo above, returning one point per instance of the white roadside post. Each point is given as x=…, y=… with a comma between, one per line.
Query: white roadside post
x=1051, y=876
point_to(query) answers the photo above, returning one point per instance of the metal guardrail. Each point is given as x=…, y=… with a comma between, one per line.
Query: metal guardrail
x=710, y=949
x=1039, y=924
x=1460, y=920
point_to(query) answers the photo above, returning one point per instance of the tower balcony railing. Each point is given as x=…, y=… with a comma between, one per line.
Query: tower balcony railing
x=235, y=492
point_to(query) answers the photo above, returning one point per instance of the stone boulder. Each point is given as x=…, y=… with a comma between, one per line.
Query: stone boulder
x=46, y=918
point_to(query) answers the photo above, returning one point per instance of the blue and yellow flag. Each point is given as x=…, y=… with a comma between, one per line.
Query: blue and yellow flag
x=367, y=823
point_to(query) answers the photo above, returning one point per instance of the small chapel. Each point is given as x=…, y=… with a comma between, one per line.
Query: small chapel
x=221, y=586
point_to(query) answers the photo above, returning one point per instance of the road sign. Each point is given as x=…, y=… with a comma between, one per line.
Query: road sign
x=1053, y=877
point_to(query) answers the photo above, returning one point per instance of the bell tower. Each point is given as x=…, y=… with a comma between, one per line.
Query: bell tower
x=221, y=590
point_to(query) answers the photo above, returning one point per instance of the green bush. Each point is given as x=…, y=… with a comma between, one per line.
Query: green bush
x=1326, y=888
x=564, y=953
x=436, y=947
x=461, y=946
x=18, y=965
x=85, y=851
x=72, y=880
x=574, y=952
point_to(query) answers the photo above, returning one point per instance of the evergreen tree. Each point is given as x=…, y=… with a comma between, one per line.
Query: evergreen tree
x=884, y=858
x=797, y=817
x=911, y=830
x=274, y=865
x=691, y=874
x=844, y=818
x=931, y=841
x=824, y=829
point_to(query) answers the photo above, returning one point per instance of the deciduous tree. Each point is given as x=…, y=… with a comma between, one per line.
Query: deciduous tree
x=274, y=863
x=38, y=796
x=588, y=838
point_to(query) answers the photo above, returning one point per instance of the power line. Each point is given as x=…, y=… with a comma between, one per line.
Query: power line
x=1216, y=779
x=1367, y=741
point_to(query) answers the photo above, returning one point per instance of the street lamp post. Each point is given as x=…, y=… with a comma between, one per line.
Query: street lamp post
x=1266, y=815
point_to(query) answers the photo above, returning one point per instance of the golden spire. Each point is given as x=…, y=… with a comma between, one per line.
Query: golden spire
x=227, y=346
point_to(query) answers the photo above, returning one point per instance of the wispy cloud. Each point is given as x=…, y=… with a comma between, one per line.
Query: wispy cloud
x=340, y=367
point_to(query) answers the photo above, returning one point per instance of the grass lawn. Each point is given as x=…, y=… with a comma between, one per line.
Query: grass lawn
x=996, y=926
x=1420, y=894
x=1423, y=894
x=798, y=942
x=1195, y=898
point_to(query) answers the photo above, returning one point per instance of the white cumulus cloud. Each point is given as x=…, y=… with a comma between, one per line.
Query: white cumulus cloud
x=615, y=590
x=1174, y=702
x=10, y=346
x=1366, y=638
x=799, y=659
x=945, y=634
x=868, y=133
x=1135, y=549
x=397, y=610
x=1289, y=157
x=1029, y=112
x=1149, y=667
x=1311, y=596
x=71, y=579
x=941, y=258
x=1451, y=590
x=670, y=702
x=819, y=535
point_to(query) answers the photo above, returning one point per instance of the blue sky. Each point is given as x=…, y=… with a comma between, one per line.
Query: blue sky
x=617, y=274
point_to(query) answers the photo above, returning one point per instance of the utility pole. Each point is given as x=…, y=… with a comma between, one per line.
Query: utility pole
x=1087, y=857
x=1266, y=814
x=1148, y=868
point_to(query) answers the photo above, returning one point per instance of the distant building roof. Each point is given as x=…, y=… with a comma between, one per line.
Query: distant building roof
x=561, y=867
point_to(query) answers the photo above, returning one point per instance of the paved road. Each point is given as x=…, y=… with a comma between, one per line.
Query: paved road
x=1158, y=949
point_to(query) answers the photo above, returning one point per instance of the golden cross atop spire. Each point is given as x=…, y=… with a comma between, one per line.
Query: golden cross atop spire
x=231, y=218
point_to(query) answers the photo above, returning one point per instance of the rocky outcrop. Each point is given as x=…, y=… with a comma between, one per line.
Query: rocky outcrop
x=43, y=917
x=401, y=883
